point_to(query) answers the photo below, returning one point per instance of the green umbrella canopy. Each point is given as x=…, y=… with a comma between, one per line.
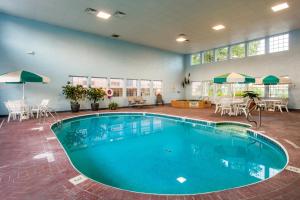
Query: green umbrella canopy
x=234, y=78
x=270, y=80
x=23, y=77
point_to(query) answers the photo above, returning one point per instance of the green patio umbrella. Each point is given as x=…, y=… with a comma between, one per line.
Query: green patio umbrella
x=22, y=77
x=270, y=80
x=234, y=78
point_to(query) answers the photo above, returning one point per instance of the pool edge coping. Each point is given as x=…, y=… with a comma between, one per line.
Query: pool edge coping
x=182, y=117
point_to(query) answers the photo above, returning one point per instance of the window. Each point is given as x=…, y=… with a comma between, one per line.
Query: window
x=238, y=89
x=201, y=88
x=131, y=88
x=238, y=51
x=259, y=89
x=221, y=54
x=279, y=43
x=256, y=47
x=223, y=90
x=196, y=88
x=208, y=56
x=145, y=87
x=279, y=91
x=79, y=80
x=97, y=82
x=157, y=87
x=196, y=59
x=117, y=86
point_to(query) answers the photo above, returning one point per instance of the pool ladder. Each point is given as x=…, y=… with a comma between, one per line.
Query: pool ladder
x=250, y=117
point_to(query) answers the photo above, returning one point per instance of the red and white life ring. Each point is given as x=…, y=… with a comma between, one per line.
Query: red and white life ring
x=109, y=93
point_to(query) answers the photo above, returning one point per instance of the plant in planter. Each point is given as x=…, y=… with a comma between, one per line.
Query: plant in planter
x=74, y=94
x=95, y=95
x=253, y=96
x=113, y=106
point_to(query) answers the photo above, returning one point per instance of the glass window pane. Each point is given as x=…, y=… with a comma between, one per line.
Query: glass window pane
x=279, y=43
x=238, y=89
x=79, y=80
x=145, y=87
x=157, y=87
x=256, y=47
x=201, y=88
x=221, y=54
x=238, y=51
x=196, y=88
x=196, y=59
x=208, y=56
x=279, y=91
x=259, y=89
x=117, y=85
x=131, y=87
x=97, y=82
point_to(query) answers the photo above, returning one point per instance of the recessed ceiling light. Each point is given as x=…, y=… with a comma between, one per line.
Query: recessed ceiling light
x=280, y=6
x=103, y=15
x=218, y=27
x=182, y=38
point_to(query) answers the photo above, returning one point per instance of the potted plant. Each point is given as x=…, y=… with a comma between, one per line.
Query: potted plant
x=253, y=96
x=95, y=95
x=74, y=94
x=113, y=105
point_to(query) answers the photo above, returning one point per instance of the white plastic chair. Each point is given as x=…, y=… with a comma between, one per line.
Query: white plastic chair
x=282, y=104
x=16, y=109
x=41, y=109
x=226, y=106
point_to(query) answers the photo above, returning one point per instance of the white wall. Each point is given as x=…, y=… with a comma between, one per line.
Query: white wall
x=282, y=63
x=61, y=52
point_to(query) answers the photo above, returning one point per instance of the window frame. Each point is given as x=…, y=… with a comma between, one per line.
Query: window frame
x=117, y=90
x=278, y=35
x=203, y=56
x=233, y=45
x=72, y=81
x=142, y=88
x=154, y=88
x=200, y=59
x=227, y=56
x=95, y=77
x=255, y=40
x=135, y=89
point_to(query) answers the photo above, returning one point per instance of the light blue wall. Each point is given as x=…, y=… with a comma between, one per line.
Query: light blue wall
x=280, y=64
x=61, y=52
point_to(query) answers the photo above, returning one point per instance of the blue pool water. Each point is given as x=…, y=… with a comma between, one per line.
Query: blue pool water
x=157, y=154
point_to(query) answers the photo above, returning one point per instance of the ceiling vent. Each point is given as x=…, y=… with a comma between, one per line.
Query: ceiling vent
x=115, y=35
x=119, y=14
x=91, y=11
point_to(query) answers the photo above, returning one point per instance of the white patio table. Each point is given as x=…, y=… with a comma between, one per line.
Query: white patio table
x=271, y=103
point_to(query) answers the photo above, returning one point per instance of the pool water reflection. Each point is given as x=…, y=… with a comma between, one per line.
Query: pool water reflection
x=157, y=154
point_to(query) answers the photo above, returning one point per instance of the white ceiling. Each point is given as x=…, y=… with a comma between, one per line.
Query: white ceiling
x=157, y=23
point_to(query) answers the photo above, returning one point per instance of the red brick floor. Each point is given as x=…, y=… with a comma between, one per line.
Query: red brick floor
x=22, y=177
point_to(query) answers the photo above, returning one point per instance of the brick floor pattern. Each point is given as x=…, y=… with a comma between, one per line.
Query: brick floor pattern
x=22, y=177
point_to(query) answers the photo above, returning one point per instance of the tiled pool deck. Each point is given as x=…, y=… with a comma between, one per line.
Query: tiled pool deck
x=22, y=177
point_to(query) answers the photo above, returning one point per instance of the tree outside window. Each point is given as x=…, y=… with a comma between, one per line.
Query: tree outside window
x=256, y=47
x=238, y=51
x=208, y=56
x=196, y=59
x=222, y=54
